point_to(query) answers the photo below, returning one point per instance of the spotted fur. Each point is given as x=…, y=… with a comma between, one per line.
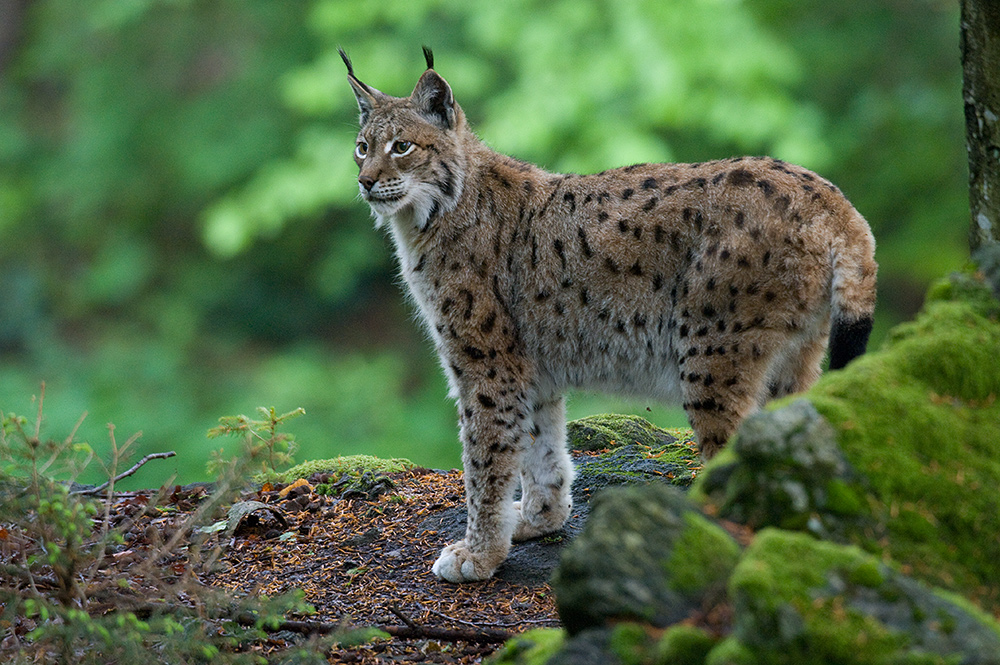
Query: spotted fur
x=714, y=285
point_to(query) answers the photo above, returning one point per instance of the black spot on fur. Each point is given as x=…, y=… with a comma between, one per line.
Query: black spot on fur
x=766, y=187
x=474, y=353
x=558, y=246
x=627, y=193
x=649, y=183
x=650, y=204
x=740, y=178
x=610, y=264
x=636, y=269
x=488, y=323
x=486, y=401
x=584, y=244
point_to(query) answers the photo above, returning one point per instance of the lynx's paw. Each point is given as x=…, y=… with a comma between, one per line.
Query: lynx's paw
x=458, y=564
x=540, y=522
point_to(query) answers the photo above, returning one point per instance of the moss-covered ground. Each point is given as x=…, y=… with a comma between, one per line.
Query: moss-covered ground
x=350, y=464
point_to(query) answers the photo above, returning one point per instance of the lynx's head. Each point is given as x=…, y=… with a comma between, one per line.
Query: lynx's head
x=409, y=149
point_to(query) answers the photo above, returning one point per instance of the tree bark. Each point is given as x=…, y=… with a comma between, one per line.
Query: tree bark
x=980, y=43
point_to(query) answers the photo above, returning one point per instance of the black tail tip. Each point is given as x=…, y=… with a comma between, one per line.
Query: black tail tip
x=848, y=340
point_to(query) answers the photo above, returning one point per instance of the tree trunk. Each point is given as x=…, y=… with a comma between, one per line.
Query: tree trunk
x=980, y=43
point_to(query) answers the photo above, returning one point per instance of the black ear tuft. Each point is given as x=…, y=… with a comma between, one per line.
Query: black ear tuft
x=347, y=61
x=429, y=57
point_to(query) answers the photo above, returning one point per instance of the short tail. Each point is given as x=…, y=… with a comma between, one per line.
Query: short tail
x=853, y=292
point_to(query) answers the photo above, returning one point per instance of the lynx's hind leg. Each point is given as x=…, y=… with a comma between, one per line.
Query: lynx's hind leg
x=546, y=474
x=798, y=365
x=724, y=379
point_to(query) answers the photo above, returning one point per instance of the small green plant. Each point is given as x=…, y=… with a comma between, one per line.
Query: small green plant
x=65, y=596
x=260, y=437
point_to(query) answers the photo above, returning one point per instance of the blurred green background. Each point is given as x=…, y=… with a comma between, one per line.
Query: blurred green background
x=180, y=237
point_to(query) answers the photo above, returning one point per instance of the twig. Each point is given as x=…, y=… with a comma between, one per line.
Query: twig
x=483, y=636
x=485, y=624
x=402, y=617
x=126, y=474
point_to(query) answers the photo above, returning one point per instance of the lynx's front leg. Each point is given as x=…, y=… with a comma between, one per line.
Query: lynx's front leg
x=492, y=429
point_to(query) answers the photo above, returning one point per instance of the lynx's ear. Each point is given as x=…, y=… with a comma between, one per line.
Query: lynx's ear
x=433, y=95
x=368, y=98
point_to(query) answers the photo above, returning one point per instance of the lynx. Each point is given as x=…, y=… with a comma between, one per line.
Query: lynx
x=716, y=285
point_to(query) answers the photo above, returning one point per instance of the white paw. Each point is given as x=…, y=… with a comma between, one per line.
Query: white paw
x=459, y=564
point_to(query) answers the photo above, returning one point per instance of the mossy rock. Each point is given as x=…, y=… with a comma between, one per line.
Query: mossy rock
x=534, y=647
x=683, y=643
x=801, y=601
x=608, y=431
x=918, y=423
x=645, y=554
x=631, y=451
x=350, y=464
x=785, y=469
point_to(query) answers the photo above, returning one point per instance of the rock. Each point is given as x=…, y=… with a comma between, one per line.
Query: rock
x=798, y=600
x=531, y=648
x=916, y=424
x=785, y=469
x=608, y=431
x=645, y=554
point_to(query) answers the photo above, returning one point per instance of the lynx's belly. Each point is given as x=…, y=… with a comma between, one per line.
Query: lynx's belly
x=622, y=358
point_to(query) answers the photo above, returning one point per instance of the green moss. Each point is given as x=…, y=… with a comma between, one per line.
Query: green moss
x=803, y=601
x=919, y=419
x=683, y=644
x=535, y=647
x=702, y=557
x=632, y=451
x=630, y=642
x=351, y=464
x=608, y=431
x=783, y=614
x=731, y=651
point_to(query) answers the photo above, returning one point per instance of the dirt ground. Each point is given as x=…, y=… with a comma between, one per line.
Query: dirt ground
x=367, y=562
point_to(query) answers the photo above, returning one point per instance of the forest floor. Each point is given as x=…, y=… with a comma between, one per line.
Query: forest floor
x=367, y=562
x=361, y=560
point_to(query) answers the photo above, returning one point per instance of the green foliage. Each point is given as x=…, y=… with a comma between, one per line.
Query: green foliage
x=179, y=229
x=260, y=437
x=64, y=601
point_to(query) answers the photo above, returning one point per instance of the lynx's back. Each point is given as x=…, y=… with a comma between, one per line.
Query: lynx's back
x=715, y=285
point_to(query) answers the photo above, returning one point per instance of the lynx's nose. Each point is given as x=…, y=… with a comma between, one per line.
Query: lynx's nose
x=367, y=182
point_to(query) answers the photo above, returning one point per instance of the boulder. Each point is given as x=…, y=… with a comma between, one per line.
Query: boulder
x=645, y=554
x=911, y=469
x=798, y=600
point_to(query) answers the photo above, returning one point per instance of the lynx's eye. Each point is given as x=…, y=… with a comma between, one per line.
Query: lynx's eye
x=401, y=148
x=361, y=150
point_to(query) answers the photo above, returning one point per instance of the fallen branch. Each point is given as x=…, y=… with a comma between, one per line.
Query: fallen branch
x=126, y=474
x=483, y=636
